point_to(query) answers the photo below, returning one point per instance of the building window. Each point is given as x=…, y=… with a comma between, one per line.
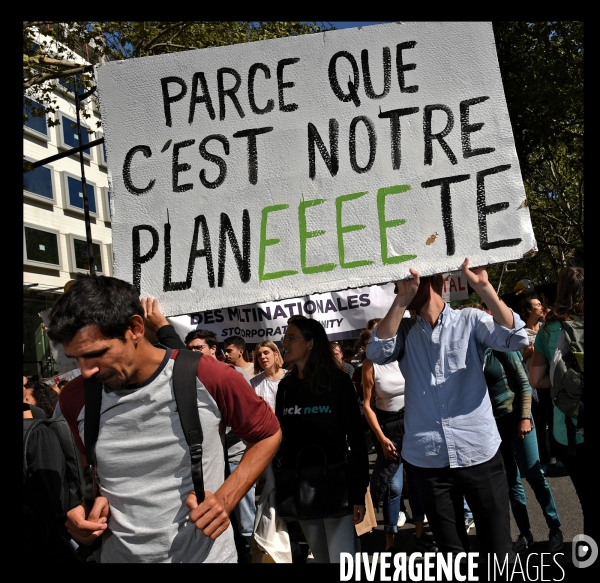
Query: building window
x=38, y=183
x=69, y=136
x=108, y=207
x=109, y=254
x=74, y=191
x=34, y=124
x=102, y=158
x=79, y=252
x=41, y=247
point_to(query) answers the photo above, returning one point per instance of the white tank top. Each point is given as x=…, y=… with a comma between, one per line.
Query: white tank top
x=389, y=386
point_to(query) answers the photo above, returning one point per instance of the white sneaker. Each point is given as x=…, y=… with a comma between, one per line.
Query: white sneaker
x=401, y=519
x=310, y=558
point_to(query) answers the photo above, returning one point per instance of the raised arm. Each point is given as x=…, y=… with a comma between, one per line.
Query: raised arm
x=154, y=318
x=405, y=292
x=478, y=280
x=157, y=323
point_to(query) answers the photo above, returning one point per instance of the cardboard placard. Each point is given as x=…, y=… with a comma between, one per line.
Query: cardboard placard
x=275, y=169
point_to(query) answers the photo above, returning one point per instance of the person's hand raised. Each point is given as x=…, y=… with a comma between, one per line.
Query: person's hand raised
x=477, y=277
x=406, y=289
x=154, y=318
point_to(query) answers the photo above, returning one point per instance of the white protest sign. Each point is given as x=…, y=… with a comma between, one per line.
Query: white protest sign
x=281, y=168
x=343, y=315
x=455, y=287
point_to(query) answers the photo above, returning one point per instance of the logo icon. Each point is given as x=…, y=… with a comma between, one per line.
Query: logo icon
x=585, y=551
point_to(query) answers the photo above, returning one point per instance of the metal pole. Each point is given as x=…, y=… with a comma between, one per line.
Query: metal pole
x=500, y=282
x=505, y=269
x=86, y=207
x=69, y=152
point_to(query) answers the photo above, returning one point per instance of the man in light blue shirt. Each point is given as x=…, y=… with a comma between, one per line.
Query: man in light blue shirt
x=451, y=437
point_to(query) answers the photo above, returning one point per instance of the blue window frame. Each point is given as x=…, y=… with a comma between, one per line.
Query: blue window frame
x=41, y=246
x=34, y=122
x=69, y=134
x=81, y=255
x=39, y=182
x=75, y=194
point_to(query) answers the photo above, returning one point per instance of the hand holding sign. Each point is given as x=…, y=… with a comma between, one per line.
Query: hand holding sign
x=153, y=317
x=407, y=288
x=477, y=277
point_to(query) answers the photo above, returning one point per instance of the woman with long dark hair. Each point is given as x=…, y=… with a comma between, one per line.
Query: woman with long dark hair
x=533, y=310
x=318, y=411
x=567, y=307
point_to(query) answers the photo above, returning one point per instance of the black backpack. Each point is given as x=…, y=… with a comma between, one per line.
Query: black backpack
x=74, y=475
x=73, y=458
x=83, y=490
x=566, y=376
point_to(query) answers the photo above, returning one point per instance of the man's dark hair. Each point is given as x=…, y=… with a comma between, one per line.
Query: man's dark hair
x=237, y=341
x=107, y=302
x=348, y=353
x=207, y=335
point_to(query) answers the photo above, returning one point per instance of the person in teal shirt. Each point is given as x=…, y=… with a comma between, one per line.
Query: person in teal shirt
x=510, y=393
x=568, y=306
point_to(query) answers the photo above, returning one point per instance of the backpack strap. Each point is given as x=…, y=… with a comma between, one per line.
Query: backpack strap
x=184, y=387
x=93, y=402
x=28, y=426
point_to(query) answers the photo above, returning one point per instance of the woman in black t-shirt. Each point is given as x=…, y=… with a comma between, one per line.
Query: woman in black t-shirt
x=317, y=406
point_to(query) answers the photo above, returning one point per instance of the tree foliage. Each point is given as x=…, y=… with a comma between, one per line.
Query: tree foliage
x=542, y=71
x=46, y=61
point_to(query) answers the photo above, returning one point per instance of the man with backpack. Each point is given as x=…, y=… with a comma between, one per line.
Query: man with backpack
x=45, y=492
x=147, y=509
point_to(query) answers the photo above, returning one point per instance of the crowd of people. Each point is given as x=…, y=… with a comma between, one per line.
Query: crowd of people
x=454, y=403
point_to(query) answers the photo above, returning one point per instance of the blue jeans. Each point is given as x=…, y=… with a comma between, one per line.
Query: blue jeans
x=391, y=505
x=521, y=458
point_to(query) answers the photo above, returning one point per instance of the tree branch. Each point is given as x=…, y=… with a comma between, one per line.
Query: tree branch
x=37, y=79
x=147, y=47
